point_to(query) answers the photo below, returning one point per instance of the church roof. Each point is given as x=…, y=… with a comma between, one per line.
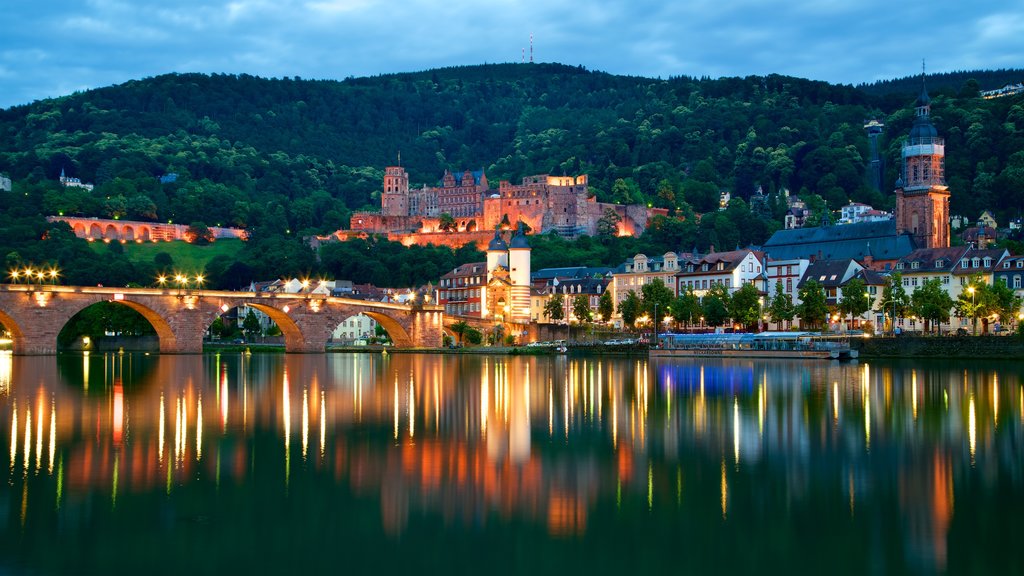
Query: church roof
x=876, y=239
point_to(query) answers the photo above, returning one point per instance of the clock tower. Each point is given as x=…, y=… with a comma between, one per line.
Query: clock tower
x=922, y=197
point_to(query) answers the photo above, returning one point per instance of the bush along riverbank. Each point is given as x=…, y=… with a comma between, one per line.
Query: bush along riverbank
x=1001, y=347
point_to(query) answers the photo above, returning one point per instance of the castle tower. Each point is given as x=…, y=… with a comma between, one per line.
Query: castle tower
x=922, y=197
x=395, y=196
x=519, y=269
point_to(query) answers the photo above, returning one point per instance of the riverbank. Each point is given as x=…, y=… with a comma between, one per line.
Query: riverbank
x=994, y=347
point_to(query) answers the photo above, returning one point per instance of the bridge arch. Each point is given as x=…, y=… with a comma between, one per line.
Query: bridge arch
x=80, y=230
x=111, y=232
x=95, y=231
x=293, y=337
x=128, y=233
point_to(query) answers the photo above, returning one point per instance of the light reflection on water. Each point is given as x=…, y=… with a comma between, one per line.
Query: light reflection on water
x=890, y=466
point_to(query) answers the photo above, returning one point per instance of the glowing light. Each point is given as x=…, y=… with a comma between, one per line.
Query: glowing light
x=725, y=491
x=118, y=414
x=736, y=430
x=160, y=433
x=53, y=437
x=224, y=308
x=14, y=434
x=199, y=429
x=39, y=435
x=913, y=391
x=28, y=438
x=305, y=423
x=835, y=403
x=972, y=427
x=323, y=422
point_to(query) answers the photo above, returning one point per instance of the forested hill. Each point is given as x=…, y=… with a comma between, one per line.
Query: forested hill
x=946, y=82
x=297, y=156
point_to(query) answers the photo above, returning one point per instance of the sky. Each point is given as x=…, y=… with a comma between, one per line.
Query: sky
x=51, y=48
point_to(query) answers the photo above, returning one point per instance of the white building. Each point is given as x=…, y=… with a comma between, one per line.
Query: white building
x=5, y=183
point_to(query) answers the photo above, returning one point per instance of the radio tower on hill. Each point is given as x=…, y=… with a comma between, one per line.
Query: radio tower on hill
x=531, y=47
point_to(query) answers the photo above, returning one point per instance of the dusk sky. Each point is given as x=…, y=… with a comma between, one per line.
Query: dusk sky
x=56, y=47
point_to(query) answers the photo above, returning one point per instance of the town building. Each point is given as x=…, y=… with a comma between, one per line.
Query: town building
x=954, y=267
x=5, y=183
x=832, y=275
x=730, y=269
x=787, y=273
x=634, y=273
x=73, y=182
x=590, y=287
x=1010, y=272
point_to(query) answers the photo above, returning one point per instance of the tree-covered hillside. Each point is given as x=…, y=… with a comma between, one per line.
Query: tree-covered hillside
x=290, y=157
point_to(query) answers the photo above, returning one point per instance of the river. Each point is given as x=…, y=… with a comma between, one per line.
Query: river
x=450, y=464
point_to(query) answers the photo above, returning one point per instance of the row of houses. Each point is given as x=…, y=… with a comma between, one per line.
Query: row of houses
x=462, y=289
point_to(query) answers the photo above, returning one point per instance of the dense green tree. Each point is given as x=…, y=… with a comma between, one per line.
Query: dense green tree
x=251, y=324
x=605, y=306
x=894, y=303
x=554, y=308
x=781, y=309
x=630, y=309
x=855, y=300
x=715, y=305
x=581, y=309
x=686, y=308
x=655, y=293
x=931, y=303
x=813, y=307
x=745, y=306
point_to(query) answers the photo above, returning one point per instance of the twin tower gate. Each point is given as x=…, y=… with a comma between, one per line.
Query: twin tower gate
x=35, y=315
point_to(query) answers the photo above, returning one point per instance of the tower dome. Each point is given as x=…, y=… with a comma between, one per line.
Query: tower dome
x=923, y=128
x=497, y=243
x=519, y=240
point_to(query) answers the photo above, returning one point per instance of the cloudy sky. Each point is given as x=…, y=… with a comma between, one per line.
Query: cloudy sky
x=55, y=47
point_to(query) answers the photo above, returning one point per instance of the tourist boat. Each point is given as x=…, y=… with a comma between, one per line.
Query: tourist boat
x=784, y=345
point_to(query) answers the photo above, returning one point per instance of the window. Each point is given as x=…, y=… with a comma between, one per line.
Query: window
x=915, y=265
x=1016, y=282
x=987, y=262
x=899, y=266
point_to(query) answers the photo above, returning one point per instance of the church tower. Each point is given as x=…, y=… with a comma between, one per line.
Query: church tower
x=922, y=197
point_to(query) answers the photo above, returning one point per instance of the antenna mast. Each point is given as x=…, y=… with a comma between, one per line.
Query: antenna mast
x=531, y=47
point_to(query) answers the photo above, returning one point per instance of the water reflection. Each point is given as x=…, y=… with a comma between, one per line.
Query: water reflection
x=576, y=447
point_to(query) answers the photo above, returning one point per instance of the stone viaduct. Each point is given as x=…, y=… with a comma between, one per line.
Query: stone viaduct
x=35, y=315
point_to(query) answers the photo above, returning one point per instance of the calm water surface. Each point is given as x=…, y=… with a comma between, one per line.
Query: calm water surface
x=363, y=464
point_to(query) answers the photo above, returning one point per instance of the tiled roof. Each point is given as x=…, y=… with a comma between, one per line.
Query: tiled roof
x=471, y=269
x=828, y=273
x=876, y=239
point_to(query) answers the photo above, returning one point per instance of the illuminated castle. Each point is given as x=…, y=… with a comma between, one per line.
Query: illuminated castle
x=544, y=203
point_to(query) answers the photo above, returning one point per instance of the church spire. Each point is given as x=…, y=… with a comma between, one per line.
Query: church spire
x=924, y=103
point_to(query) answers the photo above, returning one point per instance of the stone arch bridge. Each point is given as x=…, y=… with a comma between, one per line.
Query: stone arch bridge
x=35, y=315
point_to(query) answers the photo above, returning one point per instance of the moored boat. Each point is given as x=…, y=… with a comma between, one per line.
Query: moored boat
x=795, y=345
